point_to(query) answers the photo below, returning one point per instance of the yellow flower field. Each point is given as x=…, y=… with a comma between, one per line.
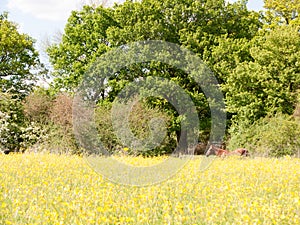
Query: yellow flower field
x=59, y=189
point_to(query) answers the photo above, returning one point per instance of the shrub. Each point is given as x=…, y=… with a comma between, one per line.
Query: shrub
x=58, y=140
x=51, y=122
x=37, y=106
x=141, y=120
x=270, y=136
x=12, y=122
x=61, y=110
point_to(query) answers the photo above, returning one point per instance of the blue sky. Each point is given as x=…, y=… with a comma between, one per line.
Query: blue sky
x=41, y=19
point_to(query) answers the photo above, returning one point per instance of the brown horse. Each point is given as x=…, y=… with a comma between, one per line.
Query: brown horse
x=213, y=150
x=241, y=152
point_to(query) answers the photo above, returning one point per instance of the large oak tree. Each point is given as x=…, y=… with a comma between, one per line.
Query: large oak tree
x=196, y=25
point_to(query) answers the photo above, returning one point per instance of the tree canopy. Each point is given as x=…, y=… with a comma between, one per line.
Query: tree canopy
x=283, y=11
x=19, y=61
x=194, y=24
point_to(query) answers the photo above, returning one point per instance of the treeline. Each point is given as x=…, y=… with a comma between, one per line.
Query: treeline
x=254, y=56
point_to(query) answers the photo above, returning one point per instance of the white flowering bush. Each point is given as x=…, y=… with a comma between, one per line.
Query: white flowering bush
x=31, y=134
x=11, y=122
x=4, y=129
x=16, y=133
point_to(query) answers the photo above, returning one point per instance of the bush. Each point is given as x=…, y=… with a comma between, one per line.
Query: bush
x=61, y=110
x=58, y=140
x=37, y=106
x=141, y=120
x=270, y=136
x=51, y=122
x=12, y=123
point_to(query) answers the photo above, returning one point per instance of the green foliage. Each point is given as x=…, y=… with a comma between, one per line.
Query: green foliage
x=84, y=40
x=197, y=25
x=57, y=139
x=225, y=57
x=18, y=58
x=282, y=11
x=208, y=20
x=270, y=136
x=104, y=126
x=270, y=82
x=258, y=70
x=140, y=123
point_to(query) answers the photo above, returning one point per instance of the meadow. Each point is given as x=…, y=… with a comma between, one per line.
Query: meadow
x=61, y=189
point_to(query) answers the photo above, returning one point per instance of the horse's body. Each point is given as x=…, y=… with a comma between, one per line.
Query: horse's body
x=241, y=152
x=213, y=150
